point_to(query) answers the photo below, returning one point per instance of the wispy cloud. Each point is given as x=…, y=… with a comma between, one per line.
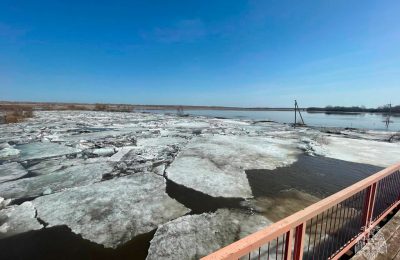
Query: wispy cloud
x=183, y=31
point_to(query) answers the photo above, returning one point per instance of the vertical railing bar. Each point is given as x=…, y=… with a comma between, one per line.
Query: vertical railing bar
x=334, y=230
x=373, y=197
x=276, y=247
x=343, y=226
x=352, y=219
x=398, y=184
x=349, y=219
x=366, y=207
x=388, y=199
x=355, y=217
x=283, y=246
x=309, y=237
x=393, y=189
x=346, y=220
x=299, y=241
x=259, y=253
x=370, y=206
x=380, y=199
x=340, y=224
x=385, y=197
x=315, y=236
x=362, y=204
x=320, y=234
x=288, y=245
x=361, y=210
x=326, y=235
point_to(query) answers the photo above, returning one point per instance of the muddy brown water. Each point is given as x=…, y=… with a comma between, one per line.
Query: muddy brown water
x=311, y=177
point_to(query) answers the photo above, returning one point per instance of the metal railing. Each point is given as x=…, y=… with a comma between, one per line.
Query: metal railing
x=327, y=229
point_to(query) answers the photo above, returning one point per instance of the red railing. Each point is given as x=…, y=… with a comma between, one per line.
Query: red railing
x=327, y=229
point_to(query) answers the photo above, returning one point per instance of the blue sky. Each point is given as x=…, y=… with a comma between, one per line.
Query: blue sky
x=232, y=53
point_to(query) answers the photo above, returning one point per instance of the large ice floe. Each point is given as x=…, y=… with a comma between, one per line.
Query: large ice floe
x=372, y=152
x=195, y=236
x=215, y=165
x=18, y=219
x=63, y=178
x=112, y=212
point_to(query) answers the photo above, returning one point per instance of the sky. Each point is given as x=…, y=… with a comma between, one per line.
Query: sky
x=227, y=53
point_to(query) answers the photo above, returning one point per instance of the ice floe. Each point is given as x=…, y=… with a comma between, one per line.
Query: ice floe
x=357, y=150
x=215, y=165
x=112, y=212
x=43, y=150
x=11, y=171
x=18, y=219
x=9, y=153
x=195, y=236
x=64, y=178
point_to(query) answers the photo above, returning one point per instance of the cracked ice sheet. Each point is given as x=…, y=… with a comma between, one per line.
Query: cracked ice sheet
x=160, y=141
x=112, y=212
x=195, y=236
x=69, y=177
x=11, y=171
x=18, y=219
x=44, y=150
x=356, y=150
x=215, y=165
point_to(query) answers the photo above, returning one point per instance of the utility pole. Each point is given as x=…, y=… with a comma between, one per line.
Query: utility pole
x=296, y=108
x=295, y=113
x=387, y=122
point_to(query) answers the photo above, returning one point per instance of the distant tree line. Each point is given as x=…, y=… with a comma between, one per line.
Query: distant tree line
x=381, y=109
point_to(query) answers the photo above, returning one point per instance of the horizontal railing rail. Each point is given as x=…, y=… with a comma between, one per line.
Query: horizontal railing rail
x=326, y=229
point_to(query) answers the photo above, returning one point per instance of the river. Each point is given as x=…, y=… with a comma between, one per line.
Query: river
x=370, y=121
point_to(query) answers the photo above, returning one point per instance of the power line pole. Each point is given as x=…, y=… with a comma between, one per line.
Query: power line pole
x=295, y=113
x=296, y=108
x=387, y=122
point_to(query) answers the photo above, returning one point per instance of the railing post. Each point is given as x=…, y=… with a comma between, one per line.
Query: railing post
x=369, y=205
x=288, y=245
x=299, y=241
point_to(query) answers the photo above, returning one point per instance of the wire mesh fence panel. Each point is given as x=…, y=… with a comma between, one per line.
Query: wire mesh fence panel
x=273, y=250
x=332, y=229
x=387, y=194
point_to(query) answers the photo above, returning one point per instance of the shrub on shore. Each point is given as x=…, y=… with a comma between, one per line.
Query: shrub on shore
x=17, y=115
